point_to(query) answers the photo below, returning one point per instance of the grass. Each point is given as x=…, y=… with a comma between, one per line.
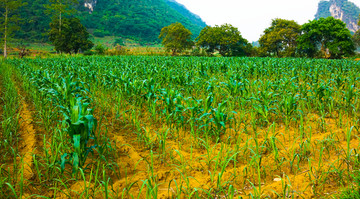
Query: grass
x=41, y=47
x=46, y=50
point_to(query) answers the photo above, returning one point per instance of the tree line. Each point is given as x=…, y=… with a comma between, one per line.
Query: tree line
x=322, y=38
x=66, y=32
x=224, y=39
x=139, y=20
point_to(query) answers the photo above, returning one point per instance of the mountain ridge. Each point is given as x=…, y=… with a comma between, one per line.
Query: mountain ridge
x=139, y=20
x=185, y=12
x=344, y=10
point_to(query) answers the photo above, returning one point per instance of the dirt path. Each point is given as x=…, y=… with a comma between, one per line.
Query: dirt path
x=26, y=135
x=28, y=139
x=27, y=131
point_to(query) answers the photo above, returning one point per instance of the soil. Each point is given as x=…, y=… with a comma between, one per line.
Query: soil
x=28, y=139
x=187, y=163
x=301, y=181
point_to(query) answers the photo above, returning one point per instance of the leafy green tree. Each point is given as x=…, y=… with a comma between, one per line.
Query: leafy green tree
x=60, y=8
x=176, y=38
x=280, y=38
x=34, y=23
x=9, y=20
x=326, y=37
x=100, y=49
x=225, y=38
x=72, y=38
x=356, y=36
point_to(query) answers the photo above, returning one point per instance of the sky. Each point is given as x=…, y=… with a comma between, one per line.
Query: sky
x=252, y=17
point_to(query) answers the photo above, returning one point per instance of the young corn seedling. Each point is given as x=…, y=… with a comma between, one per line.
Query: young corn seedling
x=288, y=107
x=286, y=188
x=152, y=182
x=234, y=87
x=220, y=117
x=194, y=109
x=162, y=137
x=265, y=104
x=81, y=128
x=349, y=96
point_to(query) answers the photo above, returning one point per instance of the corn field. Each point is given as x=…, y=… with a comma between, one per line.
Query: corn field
x=170, y=127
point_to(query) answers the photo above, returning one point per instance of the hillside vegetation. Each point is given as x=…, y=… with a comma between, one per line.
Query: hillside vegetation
x=344, y=10
x=138, y=20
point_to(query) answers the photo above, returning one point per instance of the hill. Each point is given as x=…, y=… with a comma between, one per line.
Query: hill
x=344, y=10
x=195, y=19
x=140, y=20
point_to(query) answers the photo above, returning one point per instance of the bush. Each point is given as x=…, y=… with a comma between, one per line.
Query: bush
x=100, y=33
x=119, y=50
x=198, y=52
x=100, y=49
x=88, y=53
x=118, y=41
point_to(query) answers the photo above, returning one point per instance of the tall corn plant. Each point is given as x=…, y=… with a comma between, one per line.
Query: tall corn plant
x=66, y=95
x=288, y=106
x=81, y=126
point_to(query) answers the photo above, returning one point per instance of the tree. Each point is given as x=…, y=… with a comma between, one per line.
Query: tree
x=326, y=37
x=225, y=38
x=9, y=20
x=356, y=36
x=72, y=38
x=176, y=38
x=59, y=9
x=280, y=38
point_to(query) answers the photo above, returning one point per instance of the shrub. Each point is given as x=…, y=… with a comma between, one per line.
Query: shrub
x=88, y=53
x=119, y=50
x=100, y=49
x=118, y=41
x=100, y=33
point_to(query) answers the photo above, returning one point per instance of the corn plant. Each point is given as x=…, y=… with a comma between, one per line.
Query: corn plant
x=288, y=107
x=81, y=128
x=220, y=117
x=264, y=105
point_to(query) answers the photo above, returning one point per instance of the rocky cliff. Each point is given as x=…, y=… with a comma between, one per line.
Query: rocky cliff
x=90, y=4
x=344, y=10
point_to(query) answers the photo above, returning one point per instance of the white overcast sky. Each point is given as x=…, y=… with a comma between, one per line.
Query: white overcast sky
x=251, y=17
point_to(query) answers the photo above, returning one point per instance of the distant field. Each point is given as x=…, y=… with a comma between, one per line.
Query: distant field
x=171, y=127
x=109, y=42
x=41, y=47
